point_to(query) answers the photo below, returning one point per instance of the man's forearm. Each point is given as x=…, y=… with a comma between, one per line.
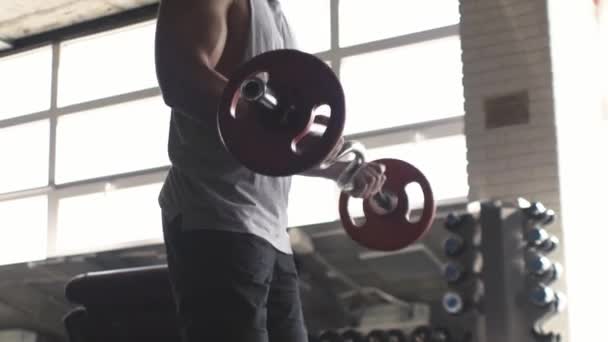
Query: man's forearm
x=332, y=172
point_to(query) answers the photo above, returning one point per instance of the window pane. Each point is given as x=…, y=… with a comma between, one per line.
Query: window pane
x=443, y=161
x=108, y=219
x=24, y=156
x=312, y=200
x=107, y=64
x=405, y=85
x=309, y=21
x=25, y=83
x=365, y=21
x=111, y=140
x=23, y=227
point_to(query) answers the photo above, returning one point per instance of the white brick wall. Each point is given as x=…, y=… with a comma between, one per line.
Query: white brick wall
x=507, y=48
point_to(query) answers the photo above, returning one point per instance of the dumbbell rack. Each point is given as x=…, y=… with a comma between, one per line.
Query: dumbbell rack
x=498, y=274
x=458, y=310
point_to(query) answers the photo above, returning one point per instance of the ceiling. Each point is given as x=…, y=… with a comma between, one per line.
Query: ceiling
x=20, y=19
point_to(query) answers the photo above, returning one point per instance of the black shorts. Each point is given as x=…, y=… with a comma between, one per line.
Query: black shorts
x=232, y=287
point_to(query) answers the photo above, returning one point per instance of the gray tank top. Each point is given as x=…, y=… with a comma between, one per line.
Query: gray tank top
x=205, y=184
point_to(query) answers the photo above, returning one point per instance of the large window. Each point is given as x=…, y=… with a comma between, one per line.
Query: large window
x=439, y=159
x=111, y=140
x=84, y=131
x=400, y=66
x=365, y=21
x=25, y=83
x=24, y=156
x=107, y=64
x=108, y=218
x=403, y=85
x=312, y=200
x=23, y=227
x=84, y=135
x=311, y=21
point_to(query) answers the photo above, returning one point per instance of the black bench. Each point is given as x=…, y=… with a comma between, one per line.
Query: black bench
x=130, y=305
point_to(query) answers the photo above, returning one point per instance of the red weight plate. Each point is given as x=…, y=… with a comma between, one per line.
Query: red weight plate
x=392, y=231
x=299, y=79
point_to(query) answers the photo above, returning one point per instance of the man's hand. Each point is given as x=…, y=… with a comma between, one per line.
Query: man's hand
x=368, y=180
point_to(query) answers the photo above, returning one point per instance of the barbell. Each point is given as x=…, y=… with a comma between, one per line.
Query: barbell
x=273, y=101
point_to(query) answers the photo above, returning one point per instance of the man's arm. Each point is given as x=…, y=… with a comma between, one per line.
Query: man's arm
x=190, y=39
x=366, y=182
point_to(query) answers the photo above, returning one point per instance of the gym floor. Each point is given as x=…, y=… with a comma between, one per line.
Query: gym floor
x=494, y=102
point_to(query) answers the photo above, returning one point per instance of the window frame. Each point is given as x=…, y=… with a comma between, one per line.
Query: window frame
x=371, y=139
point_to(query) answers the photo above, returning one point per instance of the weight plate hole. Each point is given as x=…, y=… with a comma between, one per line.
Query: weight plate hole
x=316, y=129
x=355, y=208
x=415, y=199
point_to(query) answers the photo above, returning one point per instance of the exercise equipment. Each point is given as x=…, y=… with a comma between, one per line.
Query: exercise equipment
x=452, y=221
x=542, y=295
x=440, y=335
x=133, y=304
x=386, y=225
x=453, y=246
x=396, y=335
x=539, y=238
x=538, y=264
x=536, y=236
x=549, y=245
x=377, y=335
x=269, y=106
x=543, y=268
x=452, y=302
x=453, y=272
x=352, y=336
x=330, y=336
x=421, y=334
x=537, y=211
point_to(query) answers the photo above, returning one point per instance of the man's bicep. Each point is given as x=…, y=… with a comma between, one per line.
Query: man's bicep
x=195, y=28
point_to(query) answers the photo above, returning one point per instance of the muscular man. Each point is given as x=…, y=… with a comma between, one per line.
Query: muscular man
x=229, y=256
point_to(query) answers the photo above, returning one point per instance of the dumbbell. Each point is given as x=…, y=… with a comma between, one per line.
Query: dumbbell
x=452, y=221
x=330, y=336
x=536, y=211
x=546, y=337
x=545, y=297
x=539, y=238
x=440, y=335
x=453, y=303
x=542, y=295
x=377, y=335
x=421, y=334
x=396, y=335
x=453, y=272
x=270, y=105
x=453, y=246
x=428, y=334
x=541, y=266
x=536, y=235
x=352, y=336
